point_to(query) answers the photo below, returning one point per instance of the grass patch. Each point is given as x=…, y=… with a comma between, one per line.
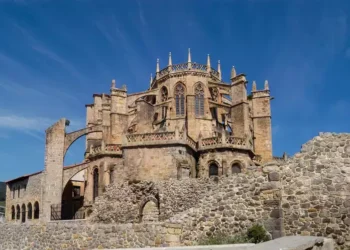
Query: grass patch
x=2, y=203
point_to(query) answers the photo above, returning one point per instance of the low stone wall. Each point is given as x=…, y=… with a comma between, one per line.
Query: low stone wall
x=82, y=235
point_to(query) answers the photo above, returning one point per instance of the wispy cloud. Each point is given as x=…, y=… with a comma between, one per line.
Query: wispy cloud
x=34, y=126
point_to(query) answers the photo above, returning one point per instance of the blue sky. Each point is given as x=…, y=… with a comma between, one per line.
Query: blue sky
x=55, y=54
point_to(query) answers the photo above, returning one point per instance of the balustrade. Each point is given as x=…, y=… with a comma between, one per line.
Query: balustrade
x=149, y=137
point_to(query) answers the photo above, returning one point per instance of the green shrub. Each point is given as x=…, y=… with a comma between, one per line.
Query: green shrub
x=254, y=234
x=257, y=234
x=222, y=239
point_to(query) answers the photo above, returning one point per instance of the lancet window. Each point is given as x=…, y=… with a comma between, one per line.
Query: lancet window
x=180, y=99
x=199, y=92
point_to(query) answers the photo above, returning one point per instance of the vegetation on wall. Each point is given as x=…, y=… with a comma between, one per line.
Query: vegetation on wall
x=255, y=234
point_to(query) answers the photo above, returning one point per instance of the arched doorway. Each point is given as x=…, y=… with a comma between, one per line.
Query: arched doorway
x=18, y=212
x=150, y=211
x=236, y=168
x=36, y=210
x=213, y=169
x=30, y=211
x=23, y=213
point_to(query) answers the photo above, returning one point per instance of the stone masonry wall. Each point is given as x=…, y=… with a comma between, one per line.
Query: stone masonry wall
x=201, y=206
x=316, y=189
x=30, y=192
x=81, y=235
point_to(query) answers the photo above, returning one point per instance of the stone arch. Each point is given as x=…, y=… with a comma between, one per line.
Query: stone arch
x=95, y=183
x=213, y=168
x=30, y=211
x=149, y=210
x=36, y=210
x=13, y=213
x=236, y=167
x=18, y=212
x=23, y=217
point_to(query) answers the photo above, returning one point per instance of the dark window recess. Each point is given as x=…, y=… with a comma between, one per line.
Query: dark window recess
x=164, y=112
x=76, y=191
x=213, y=170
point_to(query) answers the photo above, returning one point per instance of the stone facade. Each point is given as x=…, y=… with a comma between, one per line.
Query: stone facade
x=189, y=123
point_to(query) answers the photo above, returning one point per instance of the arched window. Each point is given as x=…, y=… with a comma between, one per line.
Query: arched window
x=13, y=213
x=213, y=170
x=95, y=186
x=199, y=93
x=36, y=210
x=236, y=168
x=111, y=175
x=30, y=211
x=23, y=213
x=164, y=93
x=180, y=99
x=18, y=212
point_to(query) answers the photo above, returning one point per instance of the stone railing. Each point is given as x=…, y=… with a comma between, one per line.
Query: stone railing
x=150, y=137
x=109, y=149
x=213, y=142
x=182, y=67
x=191, y=142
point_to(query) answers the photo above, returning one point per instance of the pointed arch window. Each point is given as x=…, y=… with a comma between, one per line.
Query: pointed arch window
x=164, y=94
x=199, y=92
x=30, y=211
x=13, y=213
x=180, y=99
x=95, y=187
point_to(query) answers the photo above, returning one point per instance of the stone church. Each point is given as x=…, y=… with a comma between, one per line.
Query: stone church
x=189, y=123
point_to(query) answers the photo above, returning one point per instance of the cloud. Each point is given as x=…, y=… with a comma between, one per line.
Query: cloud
x=34, y=126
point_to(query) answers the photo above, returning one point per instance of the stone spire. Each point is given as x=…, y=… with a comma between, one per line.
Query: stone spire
x=266, y=86
x=157, y=69
x=113, y=84
x=254, y=86
x=233, y=72
x=151, y=80
x=219, y=69
x=208, y=63
x=189, y=55
x=170, y=61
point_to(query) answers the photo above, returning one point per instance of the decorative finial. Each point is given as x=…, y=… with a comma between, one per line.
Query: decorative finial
x=208, y=61
x=170, y=61
x=266, y=86
x=113, y=84
x=157, y=69
x=233, y=72
x=189, y=55
x=219, y=69
x=151, y=80
x=254, y=86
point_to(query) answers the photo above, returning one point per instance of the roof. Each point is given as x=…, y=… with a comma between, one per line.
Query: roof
x=29, y=175
x=23, y=177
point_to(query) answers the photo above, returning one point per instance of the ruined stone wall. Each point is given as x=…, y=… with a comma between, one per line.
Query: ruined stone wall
x=201, y=206
x=81, y=235
x=316, y=189
x=30, y=192
x=157, y=163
